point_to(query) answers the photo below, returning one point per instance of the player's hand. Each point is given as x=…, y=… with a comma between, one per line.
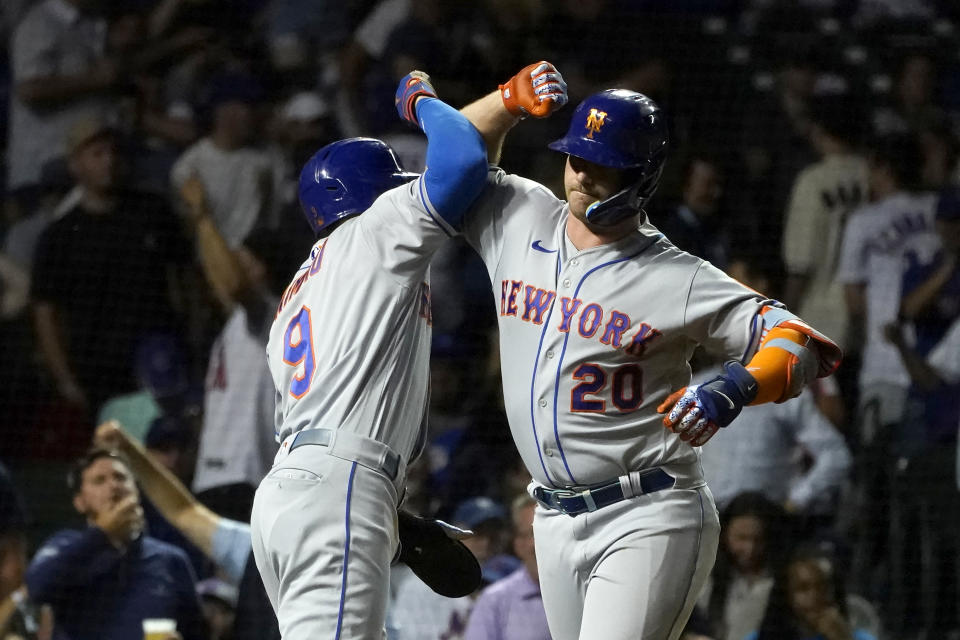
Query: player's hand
x=110, y=436
x=412, y=87
x=538, y=90
x=122, y=520
x=696, y=413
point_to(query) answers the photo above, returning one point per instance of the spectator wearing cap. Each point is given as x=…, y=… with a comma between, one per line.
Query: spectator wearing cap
x=160, y=367
x=102, y=274
x=60, y=76
x=415, y=611
x=512, y=608
x=237, y=177
x=105, y=579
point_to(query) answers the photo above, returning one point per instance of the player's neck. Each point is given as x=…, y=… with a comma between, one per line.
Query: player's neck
x=585, y=236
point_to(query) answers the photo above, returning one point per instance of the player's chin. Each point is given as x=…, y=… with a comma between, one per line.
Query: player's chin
x=578, y=205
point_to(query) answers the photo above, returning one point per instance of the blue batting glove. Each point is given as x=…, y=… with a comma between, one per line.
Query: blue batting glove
x=412, y=86
x=698, y=412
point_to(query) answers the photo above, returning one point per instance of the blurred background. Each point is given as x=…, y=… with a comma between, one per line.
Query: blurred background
x=126, y=123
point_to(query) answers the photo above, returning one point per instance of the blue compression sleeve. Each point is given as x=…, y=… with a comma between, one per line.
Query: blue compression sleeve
x=456, y=160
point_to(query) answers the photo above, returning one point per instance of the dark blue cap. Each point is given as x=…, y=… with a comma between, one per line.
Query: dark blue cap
x=168, y=432
x=475, y=511
x=499, y=567
x=161, y=365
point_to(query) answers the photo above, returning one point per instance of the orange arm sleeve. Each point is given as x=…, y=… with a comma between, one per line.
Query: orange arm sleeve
x=774, y=368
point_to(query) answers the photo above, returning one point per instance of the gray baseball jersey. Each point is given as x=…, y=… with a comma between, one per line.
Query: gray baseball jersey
x=592, y=341
x=350, y=346
x=348, y=351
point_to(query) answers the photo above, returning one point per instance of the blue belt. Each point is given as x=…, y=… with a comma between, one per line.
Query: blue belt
x=574, y=503
x=388, y=462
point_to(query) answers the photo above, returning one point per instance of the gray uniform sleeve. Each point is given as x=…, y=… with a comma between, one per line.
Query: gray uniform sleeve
x=483, y=223
x=401, y=232
x=721, y=314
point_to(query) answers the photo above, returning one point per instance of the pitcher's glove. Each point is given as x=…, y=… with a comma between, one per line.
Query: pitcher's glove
x=537, y=90
x=433, y=551
x=412, y=86
x=698, y=412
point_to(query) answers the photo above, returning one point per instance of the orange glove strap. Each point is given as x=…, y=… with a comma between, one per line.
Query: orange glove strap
x=773, y=367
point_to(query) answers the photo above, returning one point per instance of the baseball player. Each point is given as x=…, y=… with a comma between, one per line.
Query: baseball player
x=348, y=352
x=598, y=315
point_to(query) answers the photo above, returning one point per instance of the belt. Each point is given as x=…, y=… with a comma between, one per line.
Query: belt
x=343, y=444
x=633, y=484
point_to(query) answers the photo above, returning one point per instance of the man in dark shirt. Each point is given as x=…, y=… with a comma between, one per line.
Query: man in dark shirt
x=101, y=274
x=694, y=225
x=105, y=580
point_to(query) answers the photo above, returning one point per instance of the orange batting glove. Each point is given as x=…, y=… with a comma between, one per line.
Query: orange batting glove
x=538, y=90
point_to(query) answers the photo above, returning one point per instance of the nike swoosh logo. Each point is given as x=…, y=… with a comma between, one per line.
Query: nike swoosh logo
x=539, y=247
x=724, y=396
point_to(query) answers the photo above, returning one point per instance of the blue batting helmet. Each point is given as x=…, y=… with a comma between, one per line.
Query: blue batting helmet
x=345, y=177
x=624, y=130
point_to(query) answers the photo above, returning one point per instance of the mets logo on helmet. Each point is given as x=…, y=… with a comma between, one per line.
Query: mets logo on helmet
x=595, y=121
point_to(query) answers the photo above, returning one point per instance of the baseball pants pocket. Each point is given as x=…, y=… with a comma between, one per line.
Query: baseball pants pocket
x=323, y=538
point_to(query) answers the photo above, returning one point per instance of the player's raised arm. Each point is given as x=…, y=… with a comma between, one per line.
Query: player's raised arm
x=456, y=156
x=537, y=90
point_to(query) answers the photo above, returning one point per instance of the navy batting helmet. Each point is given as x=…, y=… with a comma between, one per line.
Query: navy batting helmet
x=345, y=177
x=624, y=130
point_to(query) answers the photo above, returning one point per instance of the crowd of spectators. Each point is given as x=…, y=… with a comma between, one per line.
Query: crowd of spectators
x=150, y=223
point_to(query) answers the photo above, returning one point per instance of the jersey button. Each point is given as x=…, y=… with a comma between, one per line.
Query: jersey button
x=548, y=451
x=574, y=262
x=542, y=402
x=566, y=283
x=550, y=353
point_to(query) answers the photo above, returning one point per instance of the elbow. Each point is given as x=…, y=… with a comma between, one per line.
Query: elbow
x=455, y=179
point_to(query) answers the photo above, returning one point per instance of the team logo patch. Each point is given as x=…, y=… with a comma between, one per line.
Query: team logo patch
x=595, y=121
